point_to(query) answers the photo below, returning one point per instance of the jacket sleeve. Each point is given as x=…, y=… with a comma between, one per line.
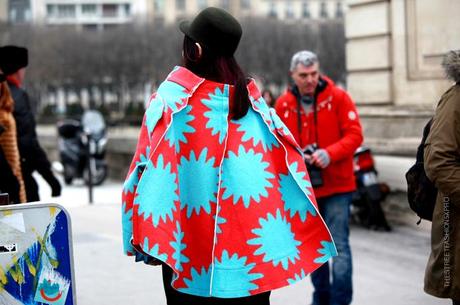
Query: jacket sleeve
x=138, y=163
x=36, y=158
x=350, y=128
x=31, y=152
x=442, y=149
x=33, y=157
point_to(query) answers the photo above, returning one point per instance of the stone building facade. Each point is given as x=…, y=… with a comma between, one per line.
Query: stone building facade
x=394, y=51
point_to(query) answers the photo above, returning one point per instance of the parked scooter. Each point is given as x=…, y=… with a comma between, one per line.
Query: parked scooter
x=366, y=208
x=82, y=147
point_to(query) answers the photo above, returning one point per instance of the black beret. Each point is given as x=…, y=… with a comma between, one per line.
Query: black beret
x=215, y=29
x=13, y=58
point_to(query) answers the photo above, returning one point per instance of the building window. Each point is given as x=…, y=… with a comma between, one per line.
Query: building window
x=89, y=9
x=158, y=6
x=66, y=11
x=13, y=15
x=110, y=10
x=19, y=10
x=323, y=10
x=202, y=4
x=51, y=10
x=305, y=10
x=180, y=5
x=289, y=10
x=245, y=4
x=339, y=10
x=27, y=15
x=127, y=9
x=225, y=4
x=272, y=10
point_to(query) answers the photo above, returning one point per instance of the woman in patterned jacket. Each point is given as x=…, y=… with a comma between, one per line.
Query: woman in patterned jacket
x=218, y=191
x=11, y=180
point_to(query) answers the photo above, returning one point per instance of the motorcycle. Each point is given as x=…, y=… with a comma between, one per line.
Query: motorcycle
x=82, y=146
x=366, y=205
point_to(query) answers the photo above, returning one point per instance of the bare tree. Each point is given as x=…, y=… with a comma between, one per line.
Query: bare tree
x=121, y=61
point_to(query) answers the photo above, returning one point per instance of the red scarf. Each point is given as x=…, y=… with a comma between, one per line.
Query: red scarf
x=12, y=79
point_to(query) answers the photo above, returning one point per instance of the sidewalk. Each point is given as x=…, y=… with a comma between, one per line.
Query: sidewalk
x=388, y=267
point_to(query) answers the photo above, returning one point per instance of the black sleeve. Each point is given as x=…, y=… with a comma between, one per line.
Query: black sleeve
x=32, y=154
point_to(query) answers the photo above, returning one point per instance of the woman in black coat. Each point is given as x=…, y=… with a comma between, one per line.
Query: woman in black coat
x=33, y=157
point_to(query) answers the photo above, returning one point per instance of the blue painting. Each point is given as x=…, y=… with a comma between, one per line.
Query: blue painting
x=40, y=272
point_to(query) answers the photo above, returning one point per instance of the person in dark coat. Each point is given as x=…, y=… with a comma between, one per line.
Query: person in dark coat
x=9, y=147
x=8, y=182
x=13, y=61
x=442, y=166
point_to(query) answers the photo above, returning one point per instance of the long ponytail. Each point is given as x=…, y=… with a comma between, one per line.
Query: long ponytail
x=219, y=68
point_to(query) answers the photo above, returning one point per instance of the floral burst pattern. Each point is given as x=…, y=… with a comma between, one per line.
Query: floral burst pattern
x=157, y=208
x=274, y=238
x=293, y=194
x=254, y=128
x=225, y=202
x=218, y=112
x=236, y=273
x=179, y=246
x=177, y=132
x=198, y=180
x=250, y=181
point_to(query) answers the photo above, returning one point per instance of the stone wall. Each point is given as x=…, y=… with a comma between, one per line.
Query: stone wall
x=394, y=50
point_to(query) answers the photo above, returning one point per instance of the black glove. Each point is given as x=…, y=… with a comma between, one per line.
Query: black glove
x=55, y=188
x=53, y=182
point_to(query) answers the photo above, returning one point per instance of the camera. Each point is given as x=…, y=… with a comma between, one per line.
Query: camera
x=316, y=175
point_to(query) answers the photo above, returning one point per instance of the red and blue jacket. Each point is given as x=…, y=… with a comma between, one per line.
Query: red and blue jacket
x=227, y=204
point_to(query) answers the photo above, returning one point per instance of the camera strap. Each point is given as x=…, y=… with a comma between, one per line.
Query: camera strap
x=299, y=117
x=315, y=120
x=299, y=120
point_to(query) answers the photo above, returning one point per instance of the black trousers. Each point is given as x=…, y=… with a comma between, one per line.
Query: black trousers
x=31, y=186
x=174, y=297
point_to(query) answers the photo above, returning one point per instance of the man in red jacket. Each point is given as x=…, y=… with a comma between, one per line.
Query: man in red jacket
x=325, y=123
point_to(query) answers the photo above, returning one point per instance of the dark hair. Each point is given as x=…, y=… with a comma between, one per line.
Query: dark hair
x=271, y=103
x=219, y=68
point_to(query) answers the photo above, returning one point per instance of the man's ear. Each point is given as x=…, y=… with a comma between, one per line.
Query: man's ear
x=200, y=49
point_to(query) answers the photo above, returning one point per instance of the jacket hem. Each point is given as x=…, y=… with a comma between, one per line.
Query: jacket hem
x=437, y=294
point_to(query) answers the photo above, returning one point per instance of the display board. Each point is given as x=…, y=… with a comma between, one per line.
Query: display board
x=36, y=257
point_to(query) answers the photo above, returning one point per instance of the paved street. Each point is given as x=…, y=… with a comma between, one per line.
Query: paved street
x=388, y=267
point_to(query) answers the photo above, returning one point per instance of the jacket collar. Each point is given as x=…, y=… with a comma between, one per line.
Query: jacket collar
x=190, y=82
x=181, y=83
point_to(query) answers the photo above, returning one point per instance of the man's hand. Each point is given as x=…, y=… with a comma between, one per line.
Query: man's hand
x=321, y=158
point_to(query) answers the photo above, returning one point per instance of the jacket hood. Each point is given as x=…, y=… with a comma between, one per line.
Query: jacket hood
x=451, y=64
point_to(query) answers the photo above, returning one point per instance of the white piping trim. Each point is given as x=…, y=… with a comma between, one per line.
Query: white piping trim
x=214, y=242
x=165, y=106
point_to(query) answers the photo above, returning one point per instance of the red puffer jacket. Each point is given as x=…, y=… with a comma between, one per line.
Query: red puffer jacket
x=339, y=132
